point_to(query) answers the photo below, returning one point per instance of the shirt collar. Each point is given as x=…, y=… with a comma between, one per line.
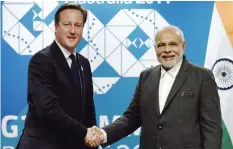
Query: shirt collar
x=65, y=52
x=173, y=71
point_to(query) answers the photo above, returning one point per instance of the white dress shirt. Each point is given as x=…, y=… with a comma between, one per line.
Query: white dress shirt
x=166, y=81
x=66, y=53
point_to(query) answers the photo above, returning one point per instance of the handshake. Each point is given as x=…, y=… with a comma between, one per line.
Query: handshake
x=94, y=137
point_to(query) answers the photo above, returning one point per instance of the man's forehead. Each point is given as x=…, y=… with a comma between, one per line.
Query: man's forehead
x=168, y=36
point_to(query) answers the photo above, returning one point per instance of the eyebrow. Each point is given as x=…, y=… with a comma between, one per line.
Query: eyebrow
x=173, y=42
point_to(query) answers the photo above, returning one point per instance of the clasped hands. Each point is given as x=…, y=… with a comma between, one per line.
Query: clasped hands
x=94, y=137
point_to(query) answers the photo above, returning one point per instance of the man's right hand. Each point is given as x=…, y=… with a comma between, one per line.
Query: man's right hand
x=94, y=137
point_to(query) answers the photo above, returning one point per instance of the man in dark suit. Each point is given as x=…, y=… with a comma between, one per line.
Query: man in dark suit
x=60, y=92
x=176, y=103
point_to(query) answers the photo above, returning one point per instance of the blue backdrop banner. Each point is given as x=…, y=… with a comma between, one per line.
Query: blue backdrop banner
x=118, y=40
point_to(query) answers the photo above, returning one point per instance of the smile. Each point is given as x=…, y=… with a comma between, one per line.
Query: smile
x=168, y=57
x=72, y=38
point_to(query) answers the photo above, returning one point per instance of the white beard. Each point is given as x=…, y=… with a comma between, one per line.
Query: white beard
x=172, y=63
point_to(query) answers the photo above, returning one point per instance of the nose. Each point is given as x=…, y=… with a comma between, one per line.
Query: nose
x=167, y=49
x=72, y=29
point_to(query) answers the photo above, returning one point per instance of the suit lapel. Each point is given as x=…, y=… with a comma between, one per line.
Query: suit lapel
x=179, y=81
x=83, y=88
x=61, y=61
x=154, y=94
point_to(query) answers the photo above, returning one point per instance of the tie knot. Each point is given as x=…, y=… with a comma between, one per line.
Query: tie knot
x=72, y=57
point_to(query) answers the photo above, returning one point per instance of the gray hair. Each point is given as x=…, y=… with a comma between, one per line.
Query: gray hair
x=177, y=29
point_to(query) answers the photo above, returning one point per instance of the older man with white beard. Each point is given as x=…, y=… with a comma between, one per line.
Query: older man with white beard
x=176, y=103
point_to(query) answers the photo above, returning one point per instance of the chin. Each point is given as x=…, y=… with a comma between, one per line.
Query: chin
x=168, y=64
x=71, y=46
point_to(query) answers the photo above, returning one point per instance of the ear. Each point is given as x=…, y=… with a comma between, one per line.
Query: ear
x=55, y=26
x=184, y=45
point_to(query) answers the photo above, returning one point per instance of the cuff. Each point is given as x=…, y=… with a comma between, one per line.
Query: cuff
x=105, y=136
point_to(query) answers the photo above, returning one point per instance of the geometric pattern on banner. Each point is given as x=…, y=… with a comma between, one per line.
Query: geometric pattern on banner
x=126, y=42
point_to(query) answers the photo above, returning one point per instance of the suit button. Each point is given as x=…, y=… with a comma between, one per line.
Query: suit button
x=70, y=141
x=160, y=127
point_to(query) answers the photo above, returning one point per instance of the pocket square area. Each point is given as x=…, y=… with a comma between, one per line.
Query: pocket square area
x=186, y=92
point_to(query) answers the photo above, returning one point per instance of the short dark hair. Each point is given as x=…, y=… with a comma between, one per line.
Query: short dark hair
x=71, y=6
